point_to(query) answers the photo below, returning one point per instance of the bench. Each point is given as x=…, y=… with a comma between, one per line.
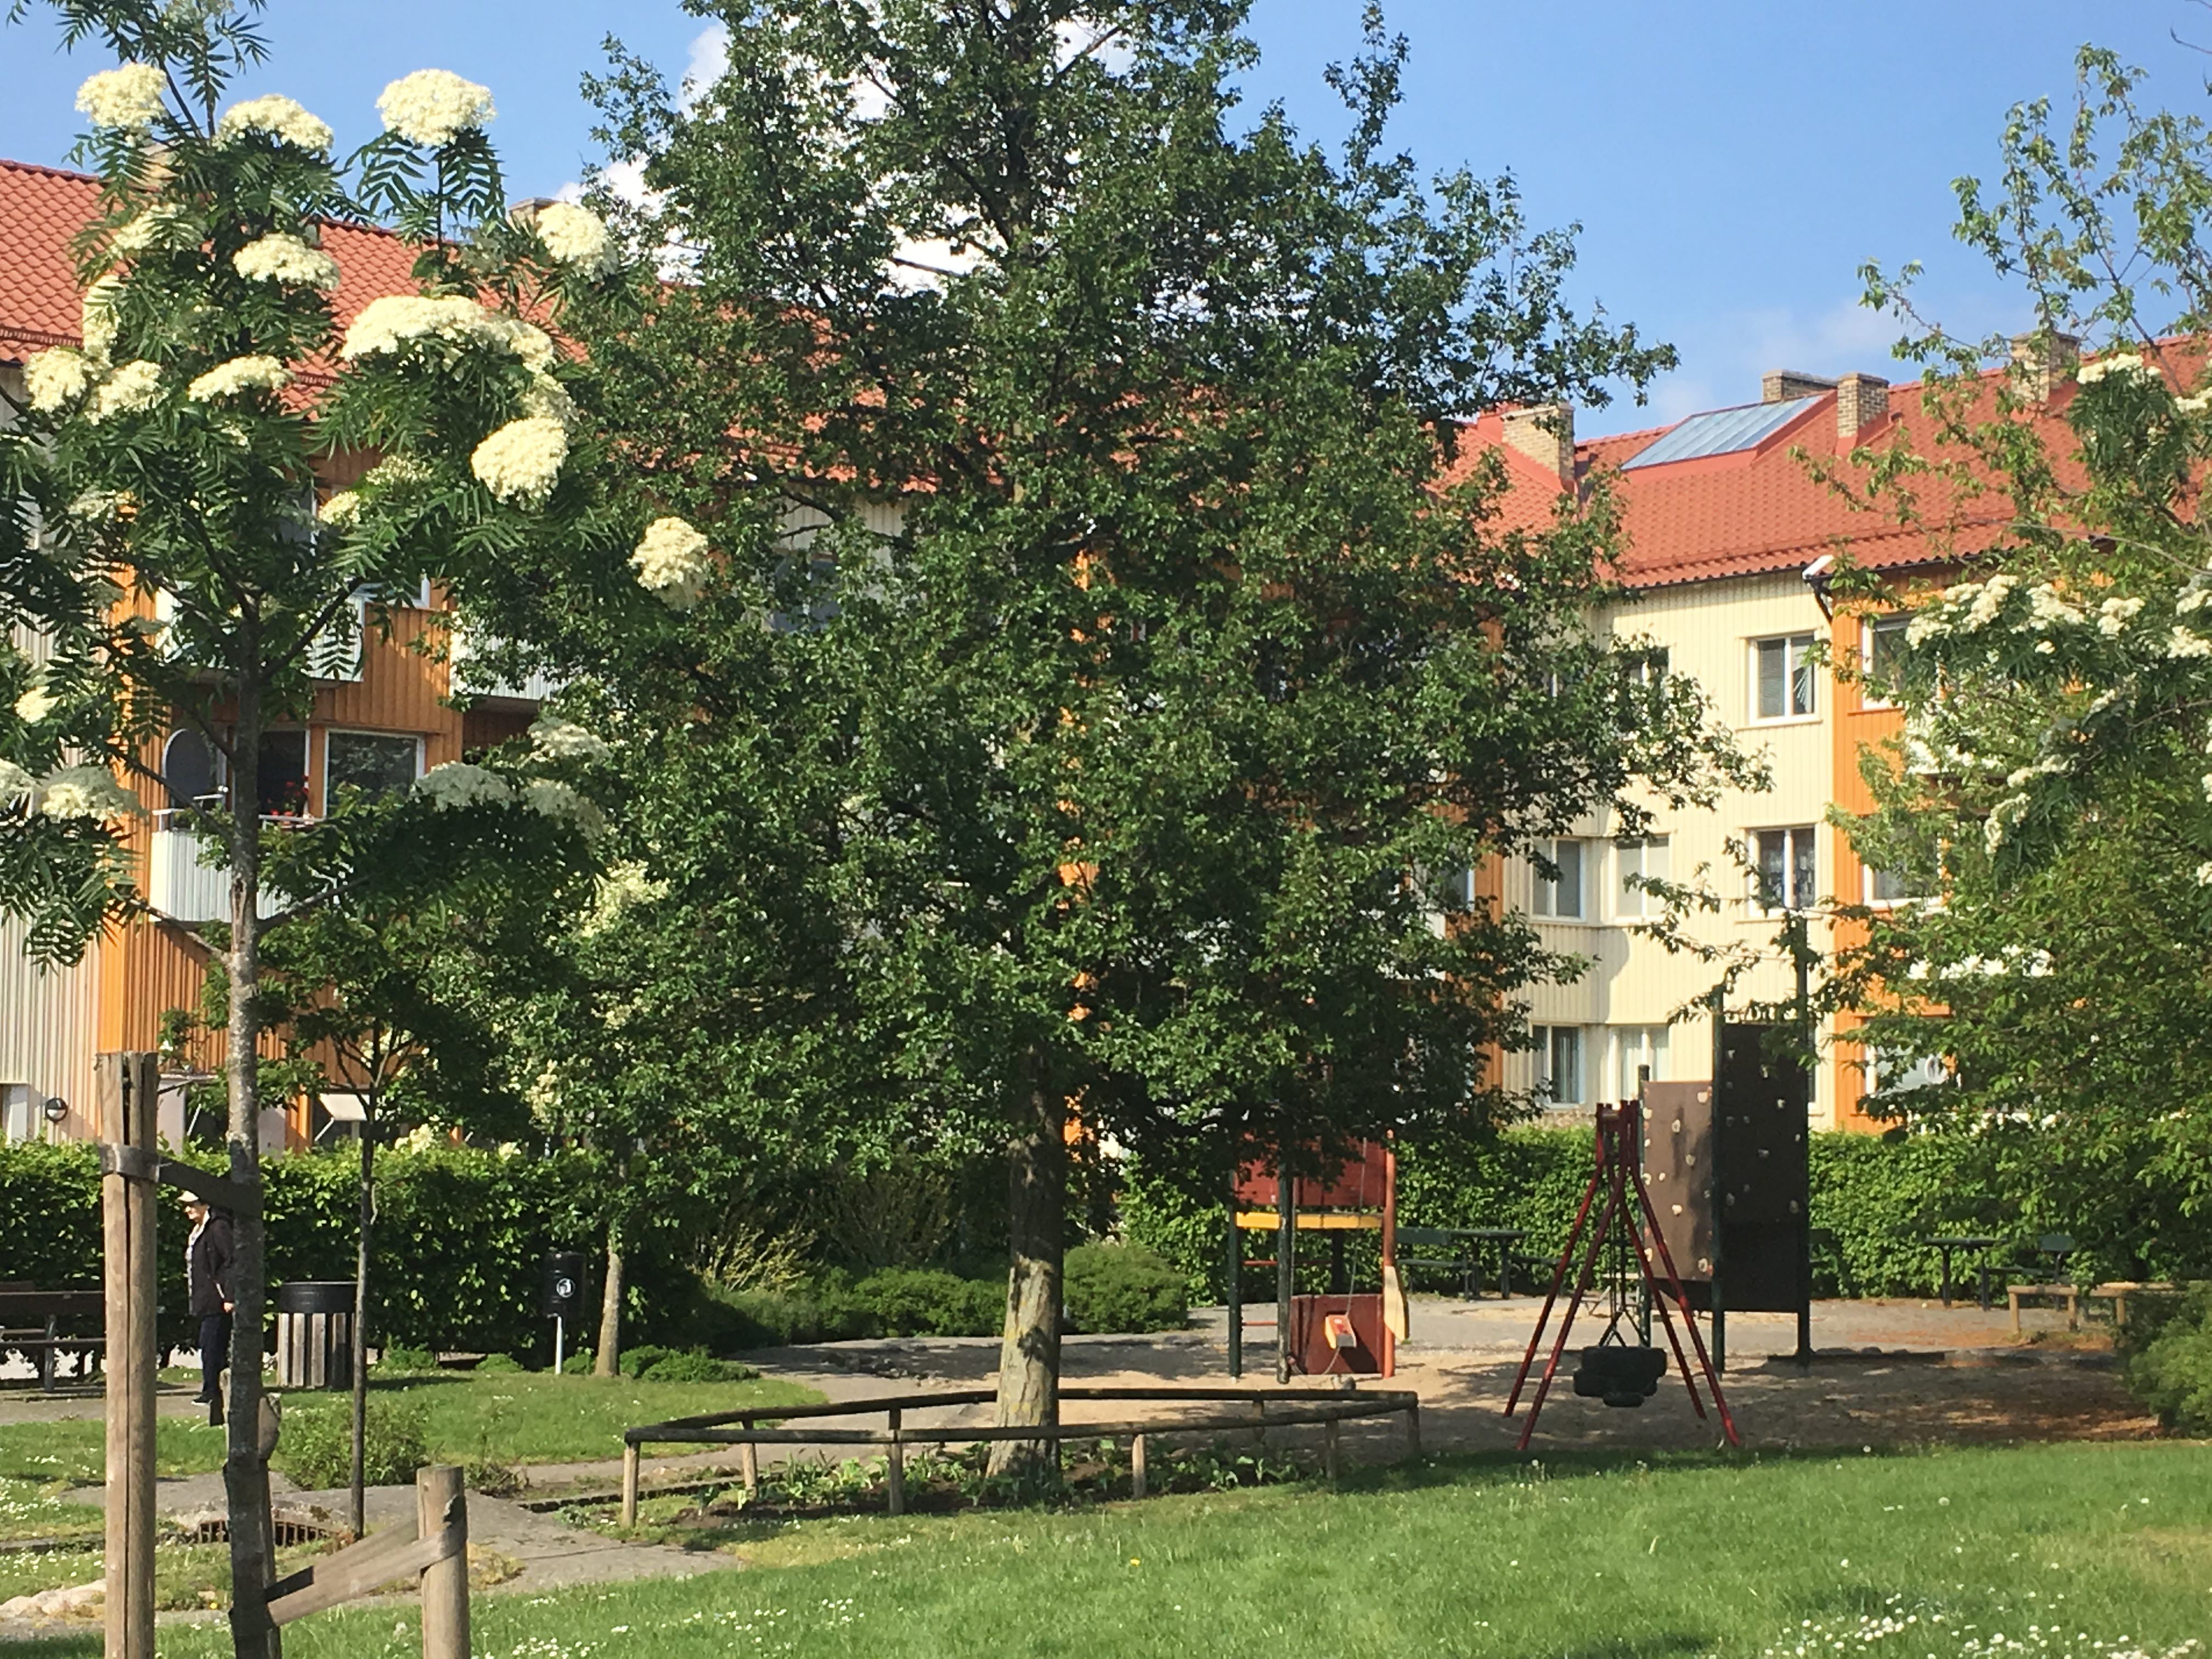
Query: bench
x=1459, y=1250
x=2116, y=1292
x=31, y=1324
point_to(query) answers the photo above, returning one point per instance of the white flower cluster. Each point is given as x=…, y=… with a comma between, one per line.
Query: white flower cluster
x=128, y=99
x=397, y=322
x=624, y=887
x=15, y=783
x=2204, y=871
x=576, y=236
x=162, y=226
x=278, y=117
x=1916, y=1633
x=2127, y=365
x=131, y=390
x=277, y=257
x=2186, y=643
x=2003, y=817
x=2195, y=404
x=239, y=374
x=2048, y=609
x=2113, y=616
x=556, y=800
x=521, y=462
x=36, y=703
x=552, y=738
x=2190, y=600
x=549, y=400
x=432, y=108
x=2013, y=959
x=96, y=316
x=456, y=784
x=341, y=511
x=86, y=792
x=672, y=564
x=56, y=379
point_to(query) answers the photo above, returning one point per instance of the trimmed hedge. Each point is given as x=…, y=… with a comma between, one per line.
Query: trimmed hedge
x=461, y=1234
x=1124, y=1287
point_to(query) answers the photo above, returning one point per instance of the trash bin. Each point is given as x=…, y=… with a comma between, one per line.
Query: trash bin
x=314, y=1334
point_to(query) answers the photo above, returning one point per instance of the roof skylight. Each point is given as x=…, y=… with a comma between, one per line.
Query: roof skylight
x=1720, y=432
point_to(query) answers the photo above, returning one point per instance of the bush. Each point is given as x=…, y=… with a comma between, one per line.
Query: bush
x=499, y=1364
x=578, y=1364
x=918, y=1301
x=398, y=1361
x=636, y=1361
x=1124, y=1287
x=2169, y=1347
x=694, y=1365
x=315, y=1447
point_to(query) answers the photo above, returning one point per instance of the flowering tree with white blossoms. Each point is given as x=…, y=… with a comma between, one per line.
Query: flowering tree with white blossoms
x=167, y=544
x=2054, y=783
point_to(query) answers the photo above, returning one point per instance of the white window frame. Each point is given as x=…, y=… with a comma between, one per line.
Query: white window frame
x=1638, y=1045
x=322, y=776
x=1867, y=873
x=1892, y=622
x=1793, y=902
x=1546, y=1057
x=1793, y=659
x=1930, y=1070
x=1544, y=894
x=1634, y=857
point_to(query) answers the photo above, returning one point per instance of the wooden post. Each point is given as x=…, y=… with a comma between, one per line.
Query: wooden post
x=1330, y=1462
x=629, y=1485
x=897, y=1466
x=1137, y=1467
x=129, y=1084
x=1414, y=1430
x=441, y=1502
x=1286, y=1251
x=748, y=1460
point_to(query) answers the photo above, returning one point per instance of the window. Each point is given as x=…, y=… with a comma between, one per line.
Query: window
x=1639, y=1046
x=1639, y=860
x=1782, y=677
x=1881, y=647
x=1562, y=896
x=374, y=762
x=21, y=1114
x=1893, y=1071
x=1787, y=876
x=188, y=768
x=1559, y=1063
x=283, y=780
x=1890, y=886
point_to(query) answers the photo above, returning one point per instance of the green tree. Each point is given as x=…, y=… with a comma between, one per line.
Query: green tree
x=2052, y=783
x=1103, y=621
x=183, y=571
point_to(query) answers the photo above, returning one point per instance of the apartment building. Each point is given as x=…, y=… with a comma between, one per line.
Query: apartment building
x=384, y=712
x=1729, y=535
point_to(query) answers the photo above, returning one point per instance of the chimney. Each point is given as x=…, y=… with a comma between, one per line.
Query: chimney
x=1545, y=433
x=1862, y=403
x=522, y=215
x=1780, y=385
x=2040, y=357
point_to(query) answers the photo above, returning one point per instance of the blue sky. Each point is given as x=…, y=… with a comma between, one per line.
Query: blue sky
x=1731, y=161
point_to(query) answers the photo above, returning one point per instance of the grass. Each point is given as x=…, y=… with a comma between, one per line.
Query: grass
x=507, y=1419
x=1583, y=1557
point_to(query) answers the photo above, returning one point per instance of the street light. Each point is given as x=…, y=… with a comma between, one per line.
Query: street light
x=56, y=1108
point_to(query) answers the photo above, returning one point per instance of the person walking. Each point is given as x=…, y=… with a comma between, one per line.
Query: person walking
x=207, y=1277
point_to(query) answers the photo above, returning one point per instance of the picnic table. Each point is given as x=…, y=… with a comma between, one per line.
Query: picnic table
x=1463, y=1249
x=1978, y=1244
x=30, y=1321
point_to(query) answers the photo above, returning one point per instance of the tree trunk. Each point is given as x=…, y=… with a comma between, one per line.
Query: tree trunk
x=1029, y=1353
x=607, y=1361
x=245, y=1473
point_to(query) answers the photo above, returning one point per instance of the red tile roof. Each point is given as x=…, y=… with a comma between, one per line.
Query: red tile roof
x=43, y=209
x=1759, y=511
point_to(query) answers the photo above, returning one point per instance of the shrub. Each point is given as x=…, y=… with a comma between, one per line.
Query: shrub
x=1124, y=1287
x=399, y=1361
x=499, y=1364
x=578, y=1364
x=2168, y=1344
x=740, y=1320
x=315, y=1447
x=637, y=1360
x=694, y=1365
x=919, y=1301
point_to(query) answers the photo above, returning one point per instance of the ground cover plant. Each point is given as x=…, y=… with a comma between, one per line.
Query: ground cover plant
x=1489, y=1556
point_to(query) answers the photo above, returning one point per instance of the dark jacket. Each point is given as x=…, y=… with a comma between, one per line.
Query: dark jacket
x=210, y=1266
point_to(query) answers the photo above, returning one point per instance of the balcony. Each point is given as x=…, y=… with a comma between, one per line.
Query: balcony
x=181, y=888
x=472, y=678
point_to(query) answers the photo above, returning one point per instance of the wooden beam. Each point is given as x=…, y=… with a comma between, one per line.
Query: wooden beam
x=1264, y=1221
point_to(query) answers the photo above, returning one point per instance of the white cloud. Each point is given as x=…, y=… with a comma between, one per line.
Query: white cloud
x=710, y=56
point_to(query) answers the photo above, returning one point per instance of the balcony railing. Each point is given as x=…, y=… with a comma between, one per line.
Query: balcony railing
x=181, y=888
x=472, y=678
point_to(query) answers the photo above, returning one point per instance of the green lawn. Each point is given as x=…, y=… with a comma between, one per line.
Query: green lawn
x=515, y=1418
x=1585, y=1559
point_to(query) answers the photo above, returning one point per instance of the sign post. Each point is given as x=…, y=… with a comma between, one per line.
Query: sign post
x=563, y=1297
